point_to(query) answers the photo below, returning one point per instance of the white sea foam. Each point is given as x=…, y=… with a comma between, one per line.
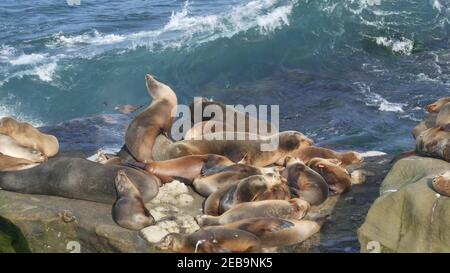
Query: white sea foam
x=376, y=100
x=8, y=110
x=402, y=46
x=436, y=5
x=28, y=59
x=45, y=72
x=372, y=154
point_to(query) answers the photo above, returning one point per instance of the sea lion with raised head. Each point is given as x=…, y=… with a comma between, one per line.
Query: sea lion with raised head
x=346, y=158
x=186, y=168
x=243, y=144
x=337, y=178
x=156, y=119
x=292, y=209
x=28, y=136
x=10, y=147
x=304, y=182
x=129, y=210
x=213, y=181
x=252, y=188
x=211, y=240
x=436, y=106
x=9, y=164
x=77, y=178
x=275, y=232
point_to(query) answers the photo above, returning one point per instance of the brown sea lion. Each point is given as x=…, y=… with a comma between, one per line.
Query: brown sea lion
x=129, y=210
x=9, y=163
x=441, y=184
x=28, y=136
x=10, y=147
x=436, y=106
x=206, y=185
x=443, y=118
x=252, y=188
x=156, y=119
x=106, y=159
x=249, y=124
x=292, y=209
x=186, y=168
x=337, y=178
x=205, y=127
x=254, y=147
x=275, y=232
x=346, y=158
x=435, y=142
x=427, y=123
x=304, y=182
x=128, y=109
x=211, y=240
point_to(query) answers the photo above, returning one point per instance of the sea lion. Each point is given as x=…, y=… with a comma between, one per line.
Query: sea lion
x=159, y=150
x=157, y=118
x=186, y=168
x=129, y=210
x=249, y=124
x=107, y=159
x=346, y=158
x=211, y=182
x=443, y=118
x=292, y=209
x=9, y=163
x=427, y=123
x=250, y=145
x=441, y=184
x=77, y=178
x=436, y=106
x=9, y=146
x=252, y=188
x=28, y=136
x=205, y=127
x=275, y=232
x=304, y=182
x=128, y=109
x=435, y=142
x=211, y=240
x=337, y=178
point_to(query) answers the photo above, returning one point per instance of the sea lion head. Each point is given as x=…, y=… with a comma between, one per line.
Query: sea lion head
x=293, y=140
x=441, y=184
x=350, y=158
x=337, y=178
x=37, y=156
x=436, y=106
x=158, y=89
x=170, y=242
x=300, y=206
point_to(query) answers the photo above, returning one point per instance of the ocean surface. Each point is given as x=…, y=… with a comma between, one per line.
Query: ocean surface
x=348, y=73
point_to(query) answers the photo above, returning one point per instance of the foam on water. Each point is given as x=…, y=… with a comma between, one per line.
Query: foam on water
x=401, y=46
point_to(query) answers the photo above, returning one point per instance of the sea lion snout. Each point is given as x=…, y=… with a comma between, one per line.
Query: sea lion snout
x=431, y=108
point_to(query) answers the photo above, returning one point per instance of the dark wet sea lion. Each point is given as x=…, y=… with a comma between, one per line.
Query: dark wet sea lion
x=275, y=232
x=293, y=209
x=252, y=188
x=28, y=136
x=8, y=164
x=346, y=158
x=129, y=210
x=77, y=178
x=211, y=240
x=156, y=119
x=305, y=183
x=277, y=147
x=337, y=178
x=186, y=168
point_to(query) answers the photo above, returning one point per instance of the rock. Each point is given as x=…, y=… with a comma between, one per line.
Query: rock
x=409, y=216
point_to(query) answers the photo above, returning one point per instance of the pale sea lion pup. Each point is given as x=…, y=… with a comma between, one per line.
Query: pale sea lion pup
x=211, y=240
x=145, y=128
x=8, y=164
x=337, y=178
x=292, y=209
x=186, y=168
x=9, y=146
x=243, y=144
x=28, y=136
x=129, y=210
x=304, y=182
x=436, y=106
x=206, y=185
x=252, y=188
x=441, y=184
x=346, y=158
x=275, y=232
